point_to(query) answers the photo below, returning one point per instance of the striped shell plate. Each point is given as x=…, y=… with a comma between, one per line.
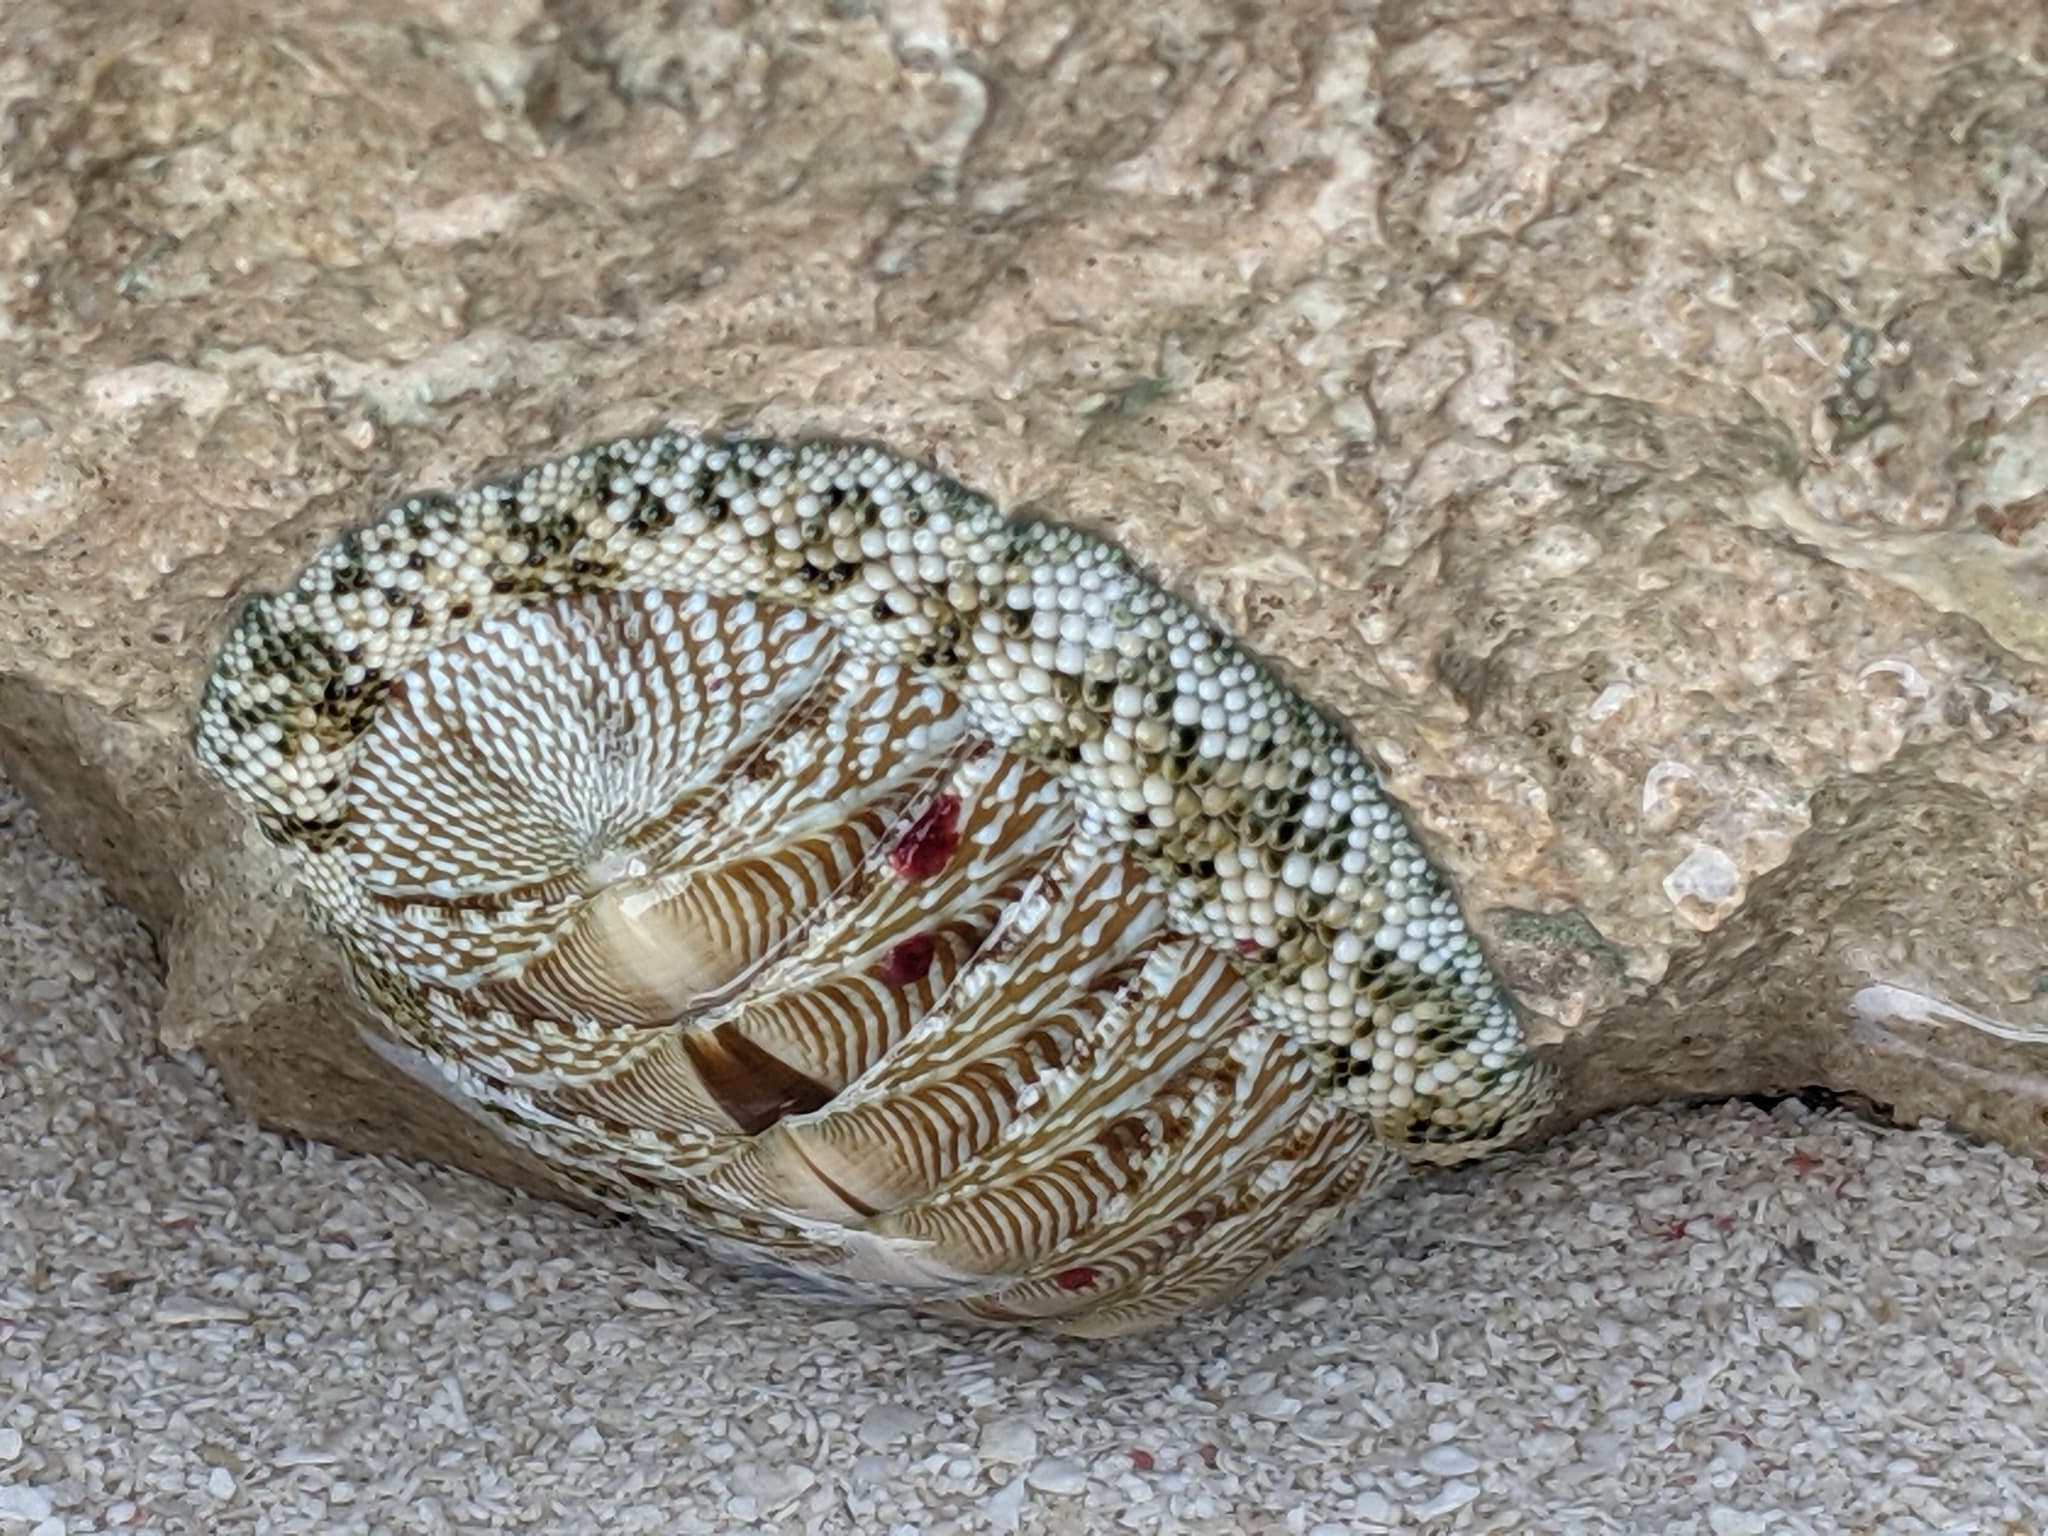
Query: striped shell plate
x=799, y=854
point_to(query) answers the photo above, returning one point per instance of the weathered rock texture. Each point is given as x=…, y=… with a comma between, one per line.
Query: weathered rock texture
x=1633, y=419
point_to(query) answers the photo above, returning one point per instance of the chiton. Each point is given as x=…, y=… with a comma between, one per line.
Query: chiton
x=798, y=853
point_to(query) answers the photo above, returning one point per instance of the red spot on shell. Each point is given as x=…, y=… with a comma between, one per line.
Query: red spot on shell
x=1207, y=1453
x=907, y=960
x=924, y=849
x=1250, y=947
x=1079, y=1278
x=1141, y=1459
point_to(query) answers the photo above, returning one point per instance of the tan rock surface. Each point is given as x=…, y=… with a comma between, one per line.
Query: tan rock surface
x=1635, y=424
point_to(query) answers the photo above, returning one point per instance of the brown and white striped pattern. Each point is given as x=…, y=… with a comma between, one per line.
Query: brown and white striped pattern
x=1015, y=947
x=864, y=966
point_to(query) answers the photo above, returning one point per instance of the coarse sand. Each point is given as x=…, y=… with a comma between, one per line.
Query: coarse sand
x=1726, y=1320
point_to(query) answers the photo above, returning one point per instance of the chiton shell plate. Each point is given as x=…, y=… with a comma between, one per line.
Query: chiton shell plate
x=797, y=853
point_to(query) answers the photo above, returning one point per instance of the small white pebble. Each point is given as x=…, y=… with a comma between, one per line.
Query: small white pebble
x=1794, y=1293
x=1056, y=1474
x=1374, y=1507
x=888, y=1424
x=220, y=1482
x=1453, y=1496
x=1723, y=1520
x=1002, y=1509
x=1275, y=1405
x=1010, y=1441
x=23, y=1501
x=1448, y=1461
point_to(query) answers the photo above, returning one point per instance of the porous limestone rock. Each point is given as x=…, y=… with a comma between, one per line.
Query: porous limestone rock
x=1632, y=422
